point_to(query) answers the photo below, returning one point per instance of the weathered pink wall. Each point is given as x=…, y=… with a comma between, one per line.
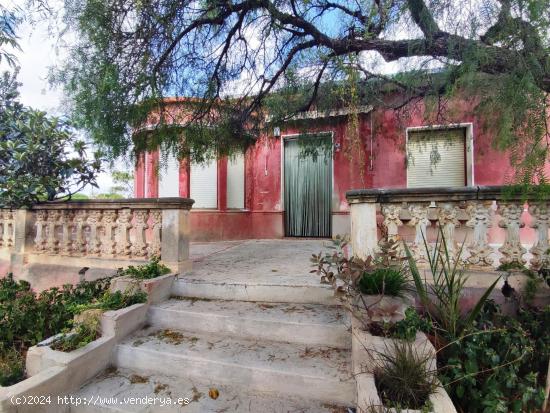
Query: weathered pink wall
x=227, y=225
x=491, y=167
x=385, y=167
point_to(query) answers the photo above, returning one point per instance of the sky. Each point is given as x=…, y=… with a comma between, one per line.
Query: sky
x=38, y=54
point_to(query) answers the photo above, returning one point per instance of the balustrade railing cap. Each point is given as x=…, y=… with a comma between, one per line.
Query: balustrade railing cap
x=490, y=192
x=131, y=203
x=386, y=195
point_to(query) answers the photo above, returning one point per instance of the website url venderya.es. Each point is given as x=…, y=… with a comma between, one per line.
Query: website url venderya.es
x=99, y=400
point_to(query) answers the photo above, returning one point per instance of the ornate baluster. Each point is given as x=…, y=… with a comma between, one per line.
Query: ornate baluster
x=447, y=216
x=156, y=225
x=541, y=221
x=79, y=242
x=7, y=238
x=123, y=225
x=480, y=219
x=391, y=223
x=67, y=217
x=52, y=223
x=94, y=220
x=40, y=239
x=419, y=220
x=109, y=224
x=139, y=244
x=512, y=250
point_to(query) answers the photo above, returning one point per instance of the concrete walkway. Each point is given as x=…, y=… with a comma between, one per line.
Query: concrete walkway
x=278, y=262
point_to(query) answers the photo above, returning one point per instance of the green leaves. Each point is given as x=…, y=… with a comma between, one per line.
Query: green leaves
x=27, y=318
x=12, y=366
x=392, y=281
x=496, y=368
x=147, y=271
x=36, y=160
x=113, y=301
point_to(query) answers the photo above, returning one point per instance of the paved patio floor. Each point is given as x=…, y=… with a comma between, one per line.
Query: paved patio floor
x=281, y=261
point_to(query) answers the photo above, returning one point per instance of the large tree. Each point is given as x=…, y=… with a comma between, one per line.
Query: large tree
x=244, y=58
x=41, y=157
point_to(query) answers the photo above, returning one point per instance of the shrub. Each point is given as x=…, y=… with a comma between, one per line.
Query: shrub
x=12, y=366
x=405, y=329
x=9, y=288
x=152, y=269
x=413, y=322
x=501, y=366
x=27, y=318
x=488, y=360
x=83, y=334
x=391, y=281
x=403, y=377
x=113, y=301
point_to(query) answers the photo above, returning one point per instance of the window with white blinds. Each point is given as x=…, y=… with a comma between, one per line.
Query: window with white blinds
x=436, y=158
x=169, y=177
x=204, y=184
x=235, y=182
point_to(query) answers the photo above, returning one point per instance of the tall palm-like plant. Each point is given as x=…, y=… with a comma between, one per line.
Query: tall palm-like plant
x=441, y=299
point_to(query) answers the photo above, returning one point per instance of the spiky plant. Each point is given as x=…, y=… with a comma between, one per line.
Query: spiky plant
x=441, y=299
x=403, y=376
x=392, y=281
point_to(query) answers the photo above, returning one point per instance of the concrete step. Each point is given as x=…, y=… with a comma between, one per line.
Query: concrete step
x=274, y=290
x=311, y=324
x=113, y=390
x=318, y=373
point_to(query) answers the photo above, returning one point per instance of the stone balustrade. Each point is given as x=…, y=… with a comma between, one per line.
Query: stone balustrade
x=103, y=234
x=492, y=228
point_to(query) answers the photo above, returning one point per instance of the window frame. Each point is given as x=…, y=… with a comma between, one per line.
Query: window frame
x=469, y=146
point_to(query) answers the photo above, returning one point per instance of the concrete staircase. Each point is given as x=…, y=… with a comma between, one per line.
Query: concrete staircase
x=263, y=347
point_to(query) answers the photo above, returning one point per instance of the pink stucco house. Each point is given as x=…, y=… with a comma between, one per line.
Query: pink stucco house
x=272, y=192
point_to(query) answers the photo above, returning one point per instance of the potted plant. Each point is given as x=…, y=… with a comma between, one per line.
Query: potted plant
x=405, y=378
x=374, y=289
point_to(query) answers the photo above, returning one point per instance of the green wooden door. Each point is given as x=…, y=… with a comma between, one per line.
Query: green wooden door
x=308, y=186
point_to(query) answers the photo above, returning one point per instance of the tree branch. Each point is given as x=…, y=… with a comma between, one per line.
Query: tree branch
x=423, y=18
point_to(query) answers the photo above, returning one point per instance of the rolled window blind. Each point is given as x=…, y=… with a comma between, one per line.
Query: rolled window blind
x=169, y=177
x=204, y=184
x=436, y=158
x=235, y=182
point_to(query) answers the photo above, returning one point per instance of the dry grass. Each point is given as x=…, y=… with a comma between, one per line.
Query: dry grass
x=137, y=379
x=175, y=337
x=160, y=387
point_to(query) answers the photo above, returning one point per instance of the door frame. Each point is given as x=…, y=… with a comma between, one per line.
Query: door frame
x=468, y=144
x=295, y=136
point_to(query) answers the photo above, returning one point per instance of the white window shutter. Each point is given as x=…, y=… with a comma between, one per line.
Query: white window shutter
x=204, y=184
x=235, y=182
x=169, y=177
x=436, y=158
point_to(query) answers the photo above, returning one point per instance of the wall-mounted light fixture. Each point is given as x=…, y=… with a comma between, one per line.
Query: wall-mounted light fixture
x=277, y=132
x=337, y=147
